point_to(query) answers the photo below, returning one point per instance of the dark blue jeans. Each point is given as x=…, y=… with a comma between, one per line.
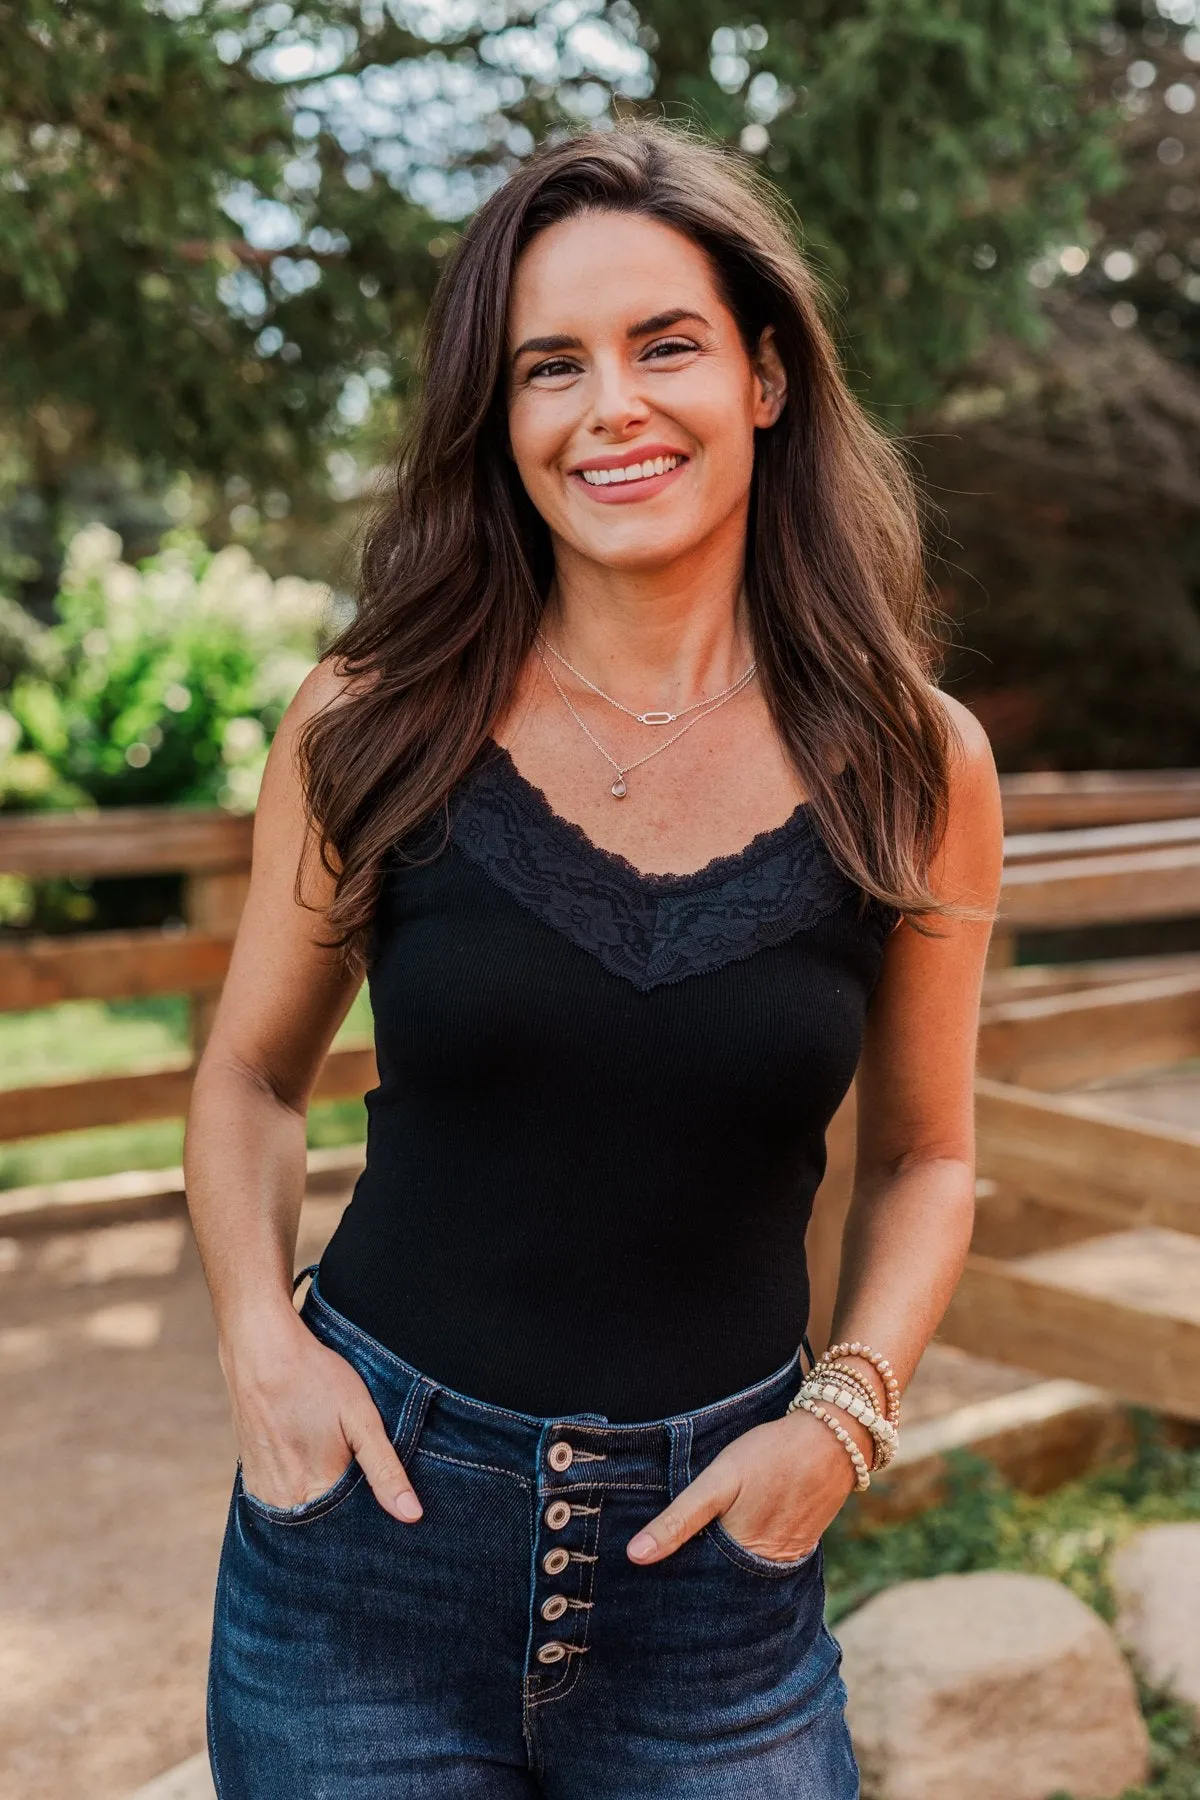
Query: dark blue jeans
x=505, y=1647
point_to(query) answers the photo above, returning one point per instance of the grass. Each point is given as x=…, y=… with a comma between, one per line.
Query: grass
x=92, y=1037
x=1068, y=1534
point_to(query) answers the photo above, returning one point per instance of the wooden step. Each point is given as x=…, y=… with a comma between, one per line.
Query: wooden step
x=1121, y=1311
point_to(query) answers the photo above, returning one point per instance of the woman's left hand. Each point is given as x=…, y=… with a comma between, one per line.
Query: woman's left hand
x=774, y=1489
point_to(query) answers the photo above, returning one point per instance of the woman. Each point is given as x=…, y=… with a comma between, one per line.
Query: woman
x=631, y=789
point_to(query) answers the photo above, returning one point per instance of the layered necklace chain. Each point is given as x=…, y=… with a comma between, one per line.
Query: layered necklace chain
x=701, y=708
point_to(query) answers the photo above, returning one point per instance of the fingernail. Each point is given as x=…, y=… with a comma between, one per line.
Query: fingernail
x=408, y=1506
x=642, y=1545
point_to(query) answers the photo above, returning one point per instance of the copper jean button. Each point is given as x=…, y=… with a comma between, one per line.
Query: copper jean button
x=560, y=1456
x=554, y=1607
x=551, y=1653
x=555, y=1561
x=558, y=1514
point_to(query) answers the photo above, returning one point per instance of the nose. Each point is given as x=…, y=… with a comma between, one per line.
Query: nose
x=618, y=407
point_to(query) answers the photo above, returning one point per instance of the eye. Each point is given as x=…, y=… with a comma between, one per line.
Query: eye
x=677, y=346
x=557, y=365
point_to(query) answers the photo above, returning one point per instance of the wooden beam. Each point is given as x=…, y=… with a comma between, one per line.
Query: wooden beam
x=1099, y=840
x=1026, y=981
x=108, y=965
x=1048, y=800
x=1018, y=1315
x=1088, y=890
x=1061, y=1040
x=100, y=1200
x=160, y=1092
x=124, y=840
x=1037, y=1437
x=1077, y=1154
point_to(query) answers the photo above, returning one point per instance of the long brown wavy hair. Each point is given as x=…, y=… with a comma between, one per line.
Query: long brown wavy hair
x=457, y=563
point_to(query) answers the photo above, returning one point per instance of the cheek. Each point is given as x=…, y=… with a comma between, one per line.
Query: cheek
x=539, y=428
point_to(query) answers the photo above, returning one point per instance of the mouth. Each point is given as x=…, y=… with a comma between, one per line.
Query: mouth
x=637, y=479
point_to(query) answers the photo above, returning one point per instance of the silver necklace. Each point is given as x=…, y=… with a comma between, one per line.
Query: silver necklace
x=647, y=718
x=620, y=788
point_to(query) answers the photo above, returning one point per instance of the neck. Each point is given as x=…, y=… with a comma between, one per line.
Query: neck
x=673, y=634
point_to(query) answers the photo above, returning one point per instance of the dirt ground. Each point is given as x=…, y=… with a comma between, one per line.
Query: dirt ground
x=118, y=1461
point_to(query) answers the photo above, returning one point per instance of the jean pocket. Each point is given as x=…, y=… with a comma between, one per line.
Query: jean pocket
x=774, y=1568
x=306, y=1510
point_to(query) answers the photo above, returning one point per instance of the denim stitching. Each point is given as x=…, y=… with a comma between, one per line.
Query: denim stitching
x=322, y=1505
x=464, y=1462
x=722, y=1537
x=548, y=1491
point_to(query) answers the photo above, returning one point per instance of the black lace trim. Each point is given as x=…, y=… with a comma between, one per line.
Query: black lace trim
x=650, y=929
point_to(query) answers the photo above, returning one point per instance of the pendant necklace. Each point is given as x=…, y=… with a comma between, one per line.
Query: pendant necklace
x=701, y=708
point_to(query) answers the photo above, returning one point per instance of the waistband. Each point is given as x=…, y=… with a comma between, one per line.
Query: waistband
x=571, y=1449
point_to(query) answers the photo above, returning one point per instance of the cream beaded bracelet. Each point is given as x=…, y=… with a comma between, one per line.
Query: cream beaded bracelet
x=848, y=1396
x=862, y=1474
x=881, y=1363
x=833, y=1381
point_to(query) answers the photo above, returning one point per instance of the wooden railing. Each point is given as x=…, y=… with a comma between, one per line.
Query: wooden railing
x=211, y=850
x=1081, y=849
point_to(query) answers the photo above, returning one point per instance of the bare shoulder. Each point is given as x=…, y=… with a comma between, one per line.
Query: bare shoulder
x=973, y=847
x=327, y=685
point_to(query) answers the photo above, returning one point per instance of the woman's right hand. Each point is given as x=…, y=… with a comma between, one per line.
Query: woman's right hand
x=302, y=1415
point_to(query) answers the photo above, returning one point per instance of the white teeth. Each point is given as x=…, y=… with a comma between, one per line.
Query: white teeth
x=657, y=465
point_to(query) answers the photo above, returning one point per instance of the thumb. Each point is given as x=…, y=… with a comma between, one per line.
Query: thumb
x=699, y=1502
x=367, y=1438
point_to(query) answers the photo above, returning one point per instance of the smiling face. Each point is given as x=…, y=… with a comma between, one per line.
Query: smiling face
x=632, y=400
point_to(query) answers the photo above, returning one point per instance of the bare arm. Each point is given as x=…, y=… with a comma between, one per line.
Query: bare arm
x=300, y=1412
x=909, y=1226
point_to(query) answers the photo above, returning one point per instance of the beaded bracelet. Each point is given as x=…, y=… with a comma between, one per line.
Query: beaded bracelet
x=846, y=1374
x=842, y=1376
x=880, y=1362
x=839, y=1393
x=862, y=1474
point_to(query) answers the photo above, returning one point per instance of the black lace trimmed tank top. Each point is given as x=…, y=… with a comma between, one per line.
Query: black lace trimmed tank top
x=602, y=1105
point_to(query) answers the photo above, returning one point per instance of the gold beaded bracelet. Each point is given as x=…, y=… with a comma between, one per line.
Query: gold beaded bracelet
x=890, y=1383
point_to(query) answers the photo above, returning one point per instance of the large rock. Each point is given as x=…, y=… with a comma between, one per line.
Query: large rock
x=997, y=1686
x=1156, y=1579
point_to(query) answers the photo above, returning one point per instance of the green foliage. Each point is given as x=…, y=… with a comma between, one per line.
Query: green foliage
x=136, y=142
x=216, y=240
x=160, y=684
x=933, y=152
x=983, y=1523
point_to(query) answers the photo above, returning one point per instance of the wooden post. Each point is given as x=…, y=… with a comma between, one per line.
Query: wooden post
x=213, y=902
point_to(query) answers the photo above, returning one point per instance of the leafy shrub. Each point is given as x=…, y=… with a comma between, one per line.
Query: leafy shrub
x=160, y=684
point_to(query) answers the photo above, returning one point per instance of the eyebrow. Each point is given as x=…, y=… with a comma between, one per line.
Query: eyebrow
x=641, y=328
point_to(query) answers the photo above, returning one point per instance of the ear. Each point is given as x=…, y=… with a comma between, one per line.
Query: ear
x=770, y=380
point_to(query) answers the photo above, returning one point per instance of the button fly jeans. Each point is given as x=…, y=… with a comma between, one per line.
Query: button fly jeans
x=505, y=1647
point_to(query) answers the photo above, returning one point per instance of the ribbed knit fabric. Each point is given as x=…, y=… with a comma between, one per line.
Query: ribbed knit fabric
x=601, y=1111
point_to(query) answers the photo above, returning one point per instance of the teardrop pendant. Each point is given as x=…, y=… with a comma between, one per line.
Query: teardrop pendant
x=618, y=789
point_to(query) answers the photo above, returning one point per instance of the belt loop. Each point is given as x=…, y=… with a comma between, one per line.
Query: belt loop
x=808, y=1349
x=310, y=1270
x=679, y=1432
x=412, y=1418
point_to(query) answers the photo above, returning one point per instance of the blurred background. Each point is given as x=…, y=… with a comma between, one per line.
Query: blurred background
x=220, y=225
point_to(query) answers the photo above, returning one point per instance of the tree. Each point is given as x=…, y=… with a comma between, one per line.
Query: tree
x=220, y=220
x=142, y=318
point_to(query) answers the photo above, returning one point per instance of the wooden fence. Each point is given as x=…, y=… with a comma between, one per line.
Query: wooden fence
x=1080, y=850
